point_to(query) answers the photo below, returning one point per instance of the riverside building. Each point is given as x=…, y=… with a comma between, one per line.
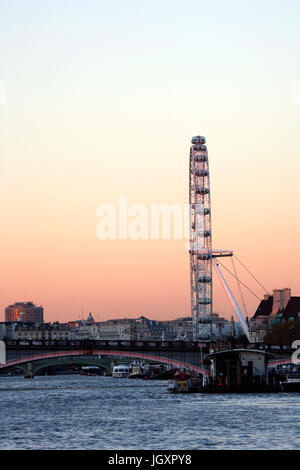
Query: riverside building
x=24, y=312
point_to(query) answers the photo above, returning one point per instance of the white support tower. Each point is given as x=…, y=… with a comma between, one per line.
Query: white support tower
x=232, y=300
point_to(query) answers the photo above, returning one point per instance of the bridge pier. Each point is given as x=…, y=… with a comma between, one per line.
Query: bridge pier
x=2, y=352
x=29, y=372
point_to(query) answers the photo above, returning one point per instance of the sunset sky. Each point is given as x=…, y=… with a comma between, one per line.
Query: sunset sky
x=101, y=100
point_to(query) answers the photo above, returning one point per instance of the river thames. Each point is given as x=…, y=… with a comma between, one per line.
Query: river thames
x=81, y=412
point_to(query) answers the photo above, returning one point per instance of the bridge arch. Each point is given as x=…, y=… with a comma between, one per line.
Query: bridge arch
x=129, y=354
x=84, y=361
x=280, y=362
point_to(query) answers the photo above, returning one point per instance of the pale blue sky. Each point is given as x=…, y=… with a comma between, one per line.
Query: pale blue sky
x=76, y=49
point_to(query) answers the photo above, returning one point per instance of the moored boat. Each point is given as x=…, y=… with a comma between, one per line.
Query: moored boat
x=292, y=383
x=184, y=382
x=91, y=370
x=120, y=371
x=137, y=370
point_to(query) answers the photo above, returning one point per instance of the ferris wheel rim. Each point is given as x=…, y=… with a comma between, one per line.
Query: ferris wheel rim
x=200, y=238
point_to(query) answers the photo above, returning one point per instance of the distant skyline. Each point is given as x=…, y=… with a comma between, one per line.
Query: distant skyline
x=101, y=100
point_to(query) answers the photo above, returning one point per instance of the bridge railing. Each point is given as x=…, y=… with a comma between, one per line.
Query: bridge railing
x=284, y=349
x=107, y=344
x=56, y=344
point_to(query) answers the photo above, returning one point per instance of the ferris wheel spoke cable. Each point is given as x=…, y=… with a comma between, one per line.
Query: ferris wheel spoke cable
x=267, y=292
x=219, y=262
x=239, y=288
x=202, y=257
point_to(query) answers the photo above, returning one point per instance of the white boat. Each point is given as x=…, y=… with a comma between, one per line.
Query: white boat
x=91, y=370
x=120, y=371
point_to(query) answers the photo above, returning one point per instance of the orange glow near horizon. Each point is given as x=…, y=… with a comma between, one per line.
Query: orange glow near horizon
x=52, y=256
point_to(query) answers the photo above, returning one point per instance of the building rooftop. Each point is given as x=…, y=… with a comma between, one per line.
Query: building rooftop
x=292, y=308
x=231, y=351
x=265, y=307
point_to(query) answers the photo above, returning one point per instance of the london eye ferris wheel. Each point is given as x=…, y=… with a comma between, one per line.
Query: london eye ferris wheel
x=200, y=239
x=202, y=256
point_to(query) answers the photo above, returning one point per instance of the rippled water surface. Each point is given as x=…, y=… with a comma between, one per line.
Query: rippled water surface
x=80, y=412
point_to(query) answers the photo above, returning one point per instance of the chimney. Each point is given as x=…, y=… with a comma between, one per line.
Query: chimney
x=287, y=293
x=281, y=298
